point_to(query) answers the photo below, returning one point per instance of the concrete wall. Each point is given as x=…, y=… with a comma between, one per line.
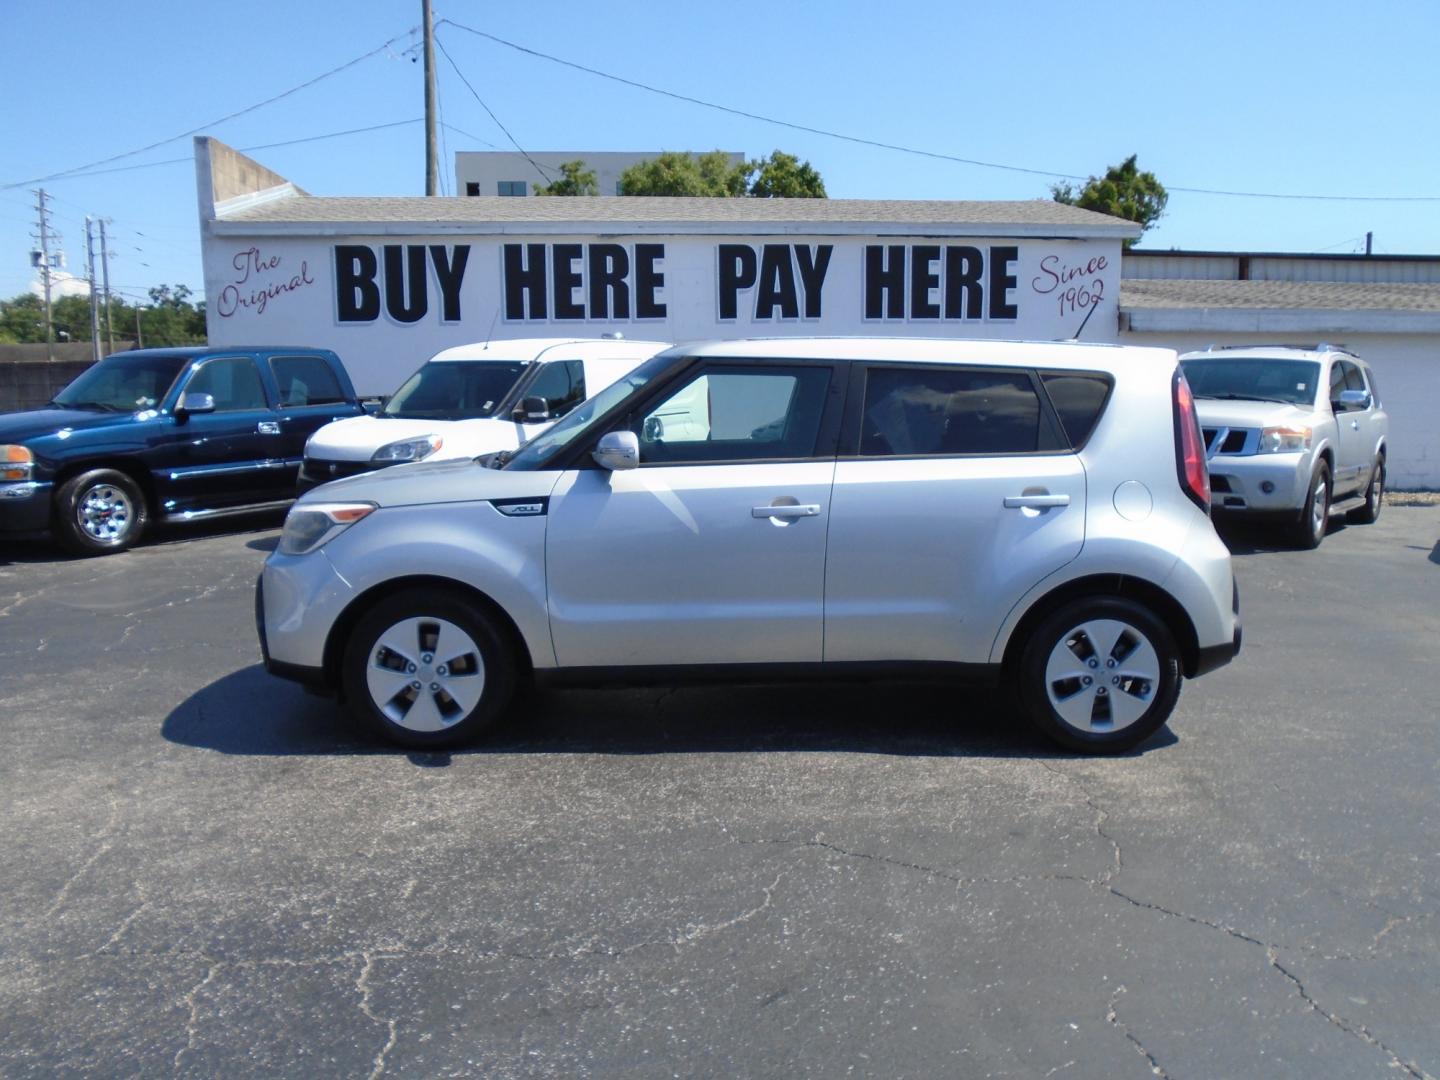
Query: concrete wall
x=1407, y=369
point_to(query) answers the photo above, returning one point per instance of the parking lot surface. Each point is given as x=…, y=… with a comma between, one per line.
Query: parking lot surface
x=206, y=872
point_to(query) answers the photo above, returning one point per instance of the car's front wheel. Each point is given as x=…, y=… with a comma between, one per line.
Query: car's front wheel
x=427, y=670
x=1309, y=528
x=1374, y=495
x=1100, y=675
x=99, y=512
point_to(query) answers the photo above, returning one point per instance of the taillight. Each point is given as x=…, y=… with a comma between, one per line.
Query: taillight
x=1189, y=447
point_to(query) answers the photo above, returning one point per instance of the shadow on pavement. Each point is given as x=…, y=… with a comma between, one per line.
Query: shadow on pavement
x=164, y=535
x=250, y=712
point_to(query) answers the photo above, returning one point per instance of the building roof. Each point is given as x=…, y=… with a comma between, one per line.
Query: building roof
x=1136, y=293
x=490, y=213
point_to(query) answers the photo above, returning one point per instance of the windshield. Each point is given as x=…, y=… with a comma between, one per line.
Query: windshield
x=454, y=390
x=539, y=451
x=1254, y=379
x=123, y=383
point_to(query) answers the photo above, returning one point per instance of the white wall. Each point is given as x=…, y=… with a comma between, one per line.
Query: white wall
x=1407, y=368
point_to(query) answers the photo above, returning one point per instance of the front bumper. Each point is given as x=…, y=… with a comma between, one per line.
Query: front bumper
x=24, y=509
x=298, y=598
x=1240, y=482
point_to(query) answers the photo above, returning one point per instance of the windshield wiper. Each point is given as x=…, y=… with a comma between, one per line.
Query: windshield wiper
x=1244, y=397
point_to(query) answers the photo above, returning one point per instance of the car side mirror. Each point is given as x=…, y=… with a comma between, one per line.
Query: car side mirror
x=532, y=410
x=193, y=403
x=617, y=450
x=1354, y=399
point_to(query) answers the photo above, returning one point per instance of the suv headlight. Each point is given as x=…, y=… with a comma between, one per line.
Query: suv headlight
x=309, y=526
x=1283, y=440
x=16, y=463
x=407, y=450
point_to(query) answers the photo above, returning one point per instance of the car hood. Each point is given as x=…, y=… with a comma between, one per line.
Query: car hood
x=358, y=437
x=1252, y=414
x=16, y=427
x=434, y=482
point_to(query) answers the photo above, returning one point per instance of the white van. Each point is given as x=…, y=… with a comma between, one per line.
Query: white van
x=472, y=400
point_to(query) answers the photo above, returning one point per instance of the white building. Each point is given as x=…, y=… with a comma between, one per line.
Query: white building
x=500, y=172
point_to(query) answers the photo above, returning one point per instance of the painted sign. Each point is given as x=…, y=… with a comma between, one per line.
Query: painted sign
x=386, y=305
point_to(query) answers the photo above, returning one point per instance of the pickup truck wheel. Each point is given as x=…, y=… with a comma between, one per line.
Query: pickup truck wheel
x=99, y=512
x=427, y=670
x=1374, y=495
x=1100, y=675
x=1309, y=528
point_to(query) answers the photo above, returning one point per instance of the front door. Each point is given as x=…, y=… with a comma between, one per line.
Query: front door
x=713, y=550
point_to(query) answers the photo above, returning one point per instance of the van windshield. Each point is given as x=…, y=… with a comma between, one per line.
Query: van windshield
x=1253, y=379
x=454, y=390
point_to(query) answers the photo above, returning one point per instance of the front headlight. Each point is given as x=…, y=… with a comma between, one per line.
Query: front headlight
x=1283, y=440
x=407, y=450
x=16, y=463
x=309, y=526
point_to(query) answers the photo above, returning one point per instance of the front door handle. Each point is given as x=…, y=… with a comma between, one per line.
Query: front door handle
x=785, y=512
x=1035, y=502
x=268, y=427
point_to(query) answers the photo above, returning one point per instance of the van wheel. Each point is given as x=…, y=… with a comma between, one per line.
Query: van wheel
x=427, y=670
x=1100, y=675
x=99, y=512
x=1309, y=529
x=1374, y=495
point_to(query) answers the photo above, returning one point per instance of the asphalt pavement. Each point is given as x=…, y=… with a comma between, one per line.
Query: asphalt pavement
x=206, y=872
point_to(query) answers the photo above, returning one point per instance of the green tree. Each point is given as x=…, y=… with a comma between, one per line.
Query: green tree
x=575, y=179
x=676, y=174
x=22, y=319
x=784, y=176
x=1124, y=192
x=169, y=319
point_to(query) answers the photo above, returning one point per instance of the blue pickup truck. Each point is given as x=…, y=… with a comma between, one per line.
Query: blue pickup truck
x=165, y=435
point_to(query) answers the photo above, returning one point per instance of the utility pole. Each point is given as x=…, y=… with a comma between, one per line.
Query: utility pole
x=139, y=340
x=94, y=299
x=432, y=170
x=105, y=274
x=44, y=213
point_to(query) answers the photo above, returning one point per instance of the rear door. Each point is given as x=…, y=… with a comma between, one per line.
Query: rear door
x=311, y=396
x=1354, y=449
x=955, y=492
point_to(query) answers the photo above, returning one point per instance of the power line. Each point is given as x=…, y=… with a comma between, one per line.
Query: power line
x=476, y=138
x=215, y=123
x=896, y=146
x=543, y=173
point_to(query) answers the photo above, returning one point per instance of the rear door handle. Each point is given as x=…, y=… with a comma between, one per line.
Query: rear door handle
x=1036, y=502
x=790, y=511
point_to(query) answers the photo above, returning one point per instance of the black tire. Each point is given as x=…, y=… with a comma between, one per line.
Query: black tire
x=1374, y=496
x=387, y=650
x=99, y=512
x=1108, y=639
x=1308, y=529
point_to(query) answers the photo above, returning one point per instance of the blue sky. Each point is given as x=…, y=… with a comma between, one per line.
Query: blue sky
x=1313, y=98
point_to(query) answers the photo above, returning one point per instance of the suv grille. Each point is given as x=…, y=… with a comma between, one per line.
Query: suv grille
x=1225, y=440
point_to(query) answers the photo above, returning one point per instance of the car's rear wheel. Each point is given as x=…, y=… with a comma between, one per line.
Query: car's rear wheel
x=1100, y=675
x=427, y=670
x=99, y=512
x=1374, y=495
x=1309, y=529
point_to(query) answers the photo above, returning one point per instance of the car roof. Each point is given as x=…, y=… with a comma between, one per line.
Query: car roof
x=194, y=351
x=1031, y=354
x=1269, y=352
x=527, y=349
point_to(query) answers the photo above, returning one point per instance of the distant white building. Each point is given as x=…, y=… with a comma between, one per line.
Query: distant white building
x=62, y=283
x=499, y=172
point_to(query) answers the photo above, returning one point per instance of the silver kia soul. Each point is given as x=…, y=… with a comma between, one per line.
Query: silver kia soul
x=1029, y=514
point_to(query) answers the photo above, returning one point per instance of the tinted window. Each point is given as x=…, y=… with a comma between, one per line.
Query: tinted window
x=1252, y=379
x=561, y=384
x=454, y=389
x=123, y=383
x=306, y=380
x=1078, y=400
x=1337, y=382
x=948, y=411
x=1353, y=379
x=232, y=381
x=734, y=414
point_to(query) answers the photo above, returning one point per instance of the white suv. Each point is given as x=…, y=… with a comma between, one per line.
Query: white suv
x=471, y=400
x=1032, y=513
x=1291, y=433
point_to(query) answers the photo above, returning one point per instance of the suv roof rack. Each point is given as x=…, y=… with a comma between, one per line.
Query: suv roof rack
x=1320, y=346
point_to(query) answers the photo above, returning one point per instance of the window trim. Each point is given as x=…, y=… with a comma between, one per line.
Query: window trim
x=1049, y=422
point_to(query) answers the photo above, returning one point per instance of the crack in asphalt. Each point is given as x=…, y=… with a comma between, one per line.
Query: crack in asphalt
x=105, y=838
x=192, y=1024
x=1112, y=1017
x=362, y=984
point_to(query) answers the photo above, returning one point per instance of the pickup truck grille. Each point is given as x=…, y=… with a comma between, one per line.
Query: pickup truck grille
x=1219, y=440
